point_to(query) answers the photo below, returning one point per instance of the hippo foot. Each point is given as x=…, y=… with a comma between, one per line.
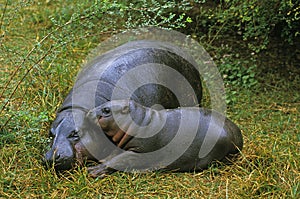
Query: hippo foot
x=99, y=171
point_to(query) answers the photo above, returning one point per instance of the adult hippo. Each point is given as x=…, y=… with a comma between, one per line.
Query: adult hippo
x=140, y=70
x=182, y=139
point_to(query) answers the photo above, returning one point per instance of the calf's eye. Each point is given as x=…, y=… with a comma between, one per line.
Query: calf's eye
x=106, y=111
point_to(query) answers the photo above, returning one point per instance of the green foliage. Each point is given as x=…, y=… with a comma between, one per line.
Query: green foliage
x=255, y=20
x=169, y=14
x=237, y=74
x=237, y=67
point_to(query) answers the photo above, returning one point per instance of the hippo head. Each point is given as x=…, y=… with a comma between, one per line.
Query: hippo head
x=66, y=148
x=94, y=135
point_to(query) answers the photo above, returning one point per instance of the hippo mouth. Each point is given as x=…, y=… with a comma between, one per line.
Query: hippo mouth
x=79, y=157
x=64, y=165
x=58, y=163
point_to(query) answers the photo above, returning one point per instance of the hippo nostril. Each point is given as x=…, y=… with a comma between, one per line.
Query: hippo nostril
x=52, y=156
x=57, y=156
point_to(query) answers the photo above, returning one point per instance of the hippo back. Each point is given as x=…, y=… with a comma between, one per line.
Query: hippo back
x=97, y=80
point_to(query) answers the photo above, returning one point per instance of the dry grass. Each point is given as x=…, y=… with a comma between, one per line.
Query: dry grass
x=268, y=166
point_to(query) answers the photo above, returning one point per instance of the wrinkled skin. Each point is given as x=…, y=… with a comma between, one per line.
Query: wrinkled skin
x=225, y=138
x=101, y=75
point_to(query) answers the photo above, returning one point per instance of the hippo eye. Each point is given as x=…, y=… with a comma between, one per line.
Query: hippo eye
x=74, y=135
x=106, y=111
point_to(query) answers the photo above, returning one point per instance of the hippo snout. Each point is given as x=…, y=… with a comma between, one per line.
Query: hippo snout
x=58, y=160
x=51, y=156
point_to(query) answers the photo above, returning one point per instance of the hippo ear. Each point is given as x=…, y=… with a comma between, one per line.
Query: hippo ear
x=52, y=132
x=132, y=105
x=125, y=109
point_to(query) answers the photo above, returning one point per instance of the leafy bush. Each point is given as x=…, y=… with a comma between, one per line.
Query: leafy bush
x=237, y=74
x=255, y=20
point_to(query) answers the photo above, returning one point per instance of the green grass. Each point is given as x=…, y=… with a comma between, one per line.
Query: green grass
x=268, y=116
x=268, y=166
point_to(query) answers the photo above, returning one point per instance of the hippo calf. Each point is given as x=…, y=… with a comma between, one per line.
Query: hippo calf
x=138, y=70
x=181, y=139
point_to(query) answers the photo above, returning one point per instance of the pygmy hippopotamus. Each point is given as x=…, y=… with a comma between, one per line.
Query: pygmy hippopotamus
x=181, y=139
x=142, y=70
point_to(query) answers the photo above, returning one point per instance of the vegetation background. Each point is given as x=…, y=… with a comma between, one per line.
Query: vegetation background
x=255, y=44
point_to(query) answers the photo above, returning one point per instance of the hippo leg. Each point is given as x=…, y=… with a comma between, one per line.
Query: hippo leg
x=100, y=171
x=117, y=162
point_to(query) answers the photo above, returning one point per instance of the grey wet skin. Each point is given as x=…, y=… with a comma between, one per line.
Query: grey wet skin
x=225, y=137
x=95, y=84
x=66, y=147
